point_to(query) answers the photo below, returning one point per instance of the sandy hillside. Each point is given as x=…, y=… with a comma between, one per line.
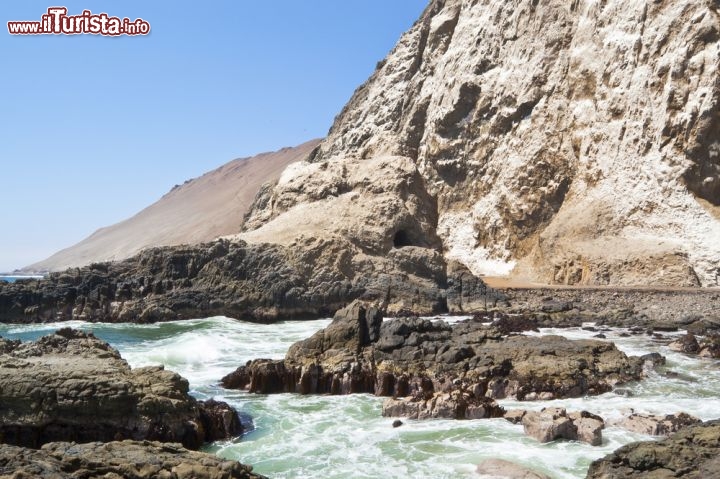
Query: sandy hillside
x=199, y=210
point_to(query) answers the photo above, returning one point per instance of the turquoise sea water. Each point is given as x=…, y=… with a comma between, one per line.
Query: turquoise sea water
x=346, y=436
x=12, y=279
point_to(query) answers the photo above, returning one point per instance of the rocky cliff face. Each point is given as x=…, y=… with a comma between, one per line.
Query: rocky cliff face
x=568, y=142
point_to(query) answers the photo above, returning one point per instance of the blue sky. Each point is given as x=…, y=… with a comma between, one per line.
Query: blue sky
x=93, y=129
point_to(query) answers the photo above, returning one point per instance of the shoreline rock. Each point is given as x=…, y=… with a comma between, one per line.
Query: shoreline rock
x=358, y=353
x=256, y=282
x=117, y=459
x=706, y=347
x=691, y=453
x=71, y=386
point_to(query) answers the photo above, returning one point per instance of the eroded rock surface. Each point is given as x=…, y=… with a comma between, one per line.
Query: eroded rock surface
x=692, y=453
x=71, y=386
x=417, y=357
x=657, y=425
x=449, y=405
x=567, y=142
x=118, y=459
x=262, y=282
x=551, y=424
x=707, y=347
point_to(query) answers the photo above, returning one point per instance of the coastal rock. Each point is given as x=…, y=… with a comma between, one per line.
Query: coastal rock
x=687, y=344
x=418, y=357
x=451, y=405
x=691, y=453
x=501, y=469
x=261, y=282
x=657, y=425
x=71, y=386
x=707, y=347
x=117, y=459
x=703, y=326
x=710, y=346
x=589, y=427
x=550, y=424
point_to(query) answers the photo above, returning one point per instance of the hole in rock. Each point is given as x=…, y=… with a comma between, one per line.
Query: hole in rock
x=401, y=239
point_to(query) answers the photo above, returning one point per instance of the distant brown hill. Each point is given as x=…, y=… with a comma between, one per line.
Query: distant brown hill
x=199, y=210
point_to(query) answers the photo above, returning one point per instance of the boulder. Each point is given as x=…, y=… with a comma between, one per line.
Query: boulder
x=589, y=427
x=117, y=459
x=501, y=469
x=549, y=424
x=710, y=346
x=657, y=425
x=515, y=416
x=261, y=282
x=71, y=386
x=703, y=326
x=691, y=453
x=687, y=344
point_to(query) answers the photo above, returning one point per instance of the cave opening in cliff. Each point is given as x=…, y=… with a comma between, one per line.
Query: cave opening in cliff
x=401, y=239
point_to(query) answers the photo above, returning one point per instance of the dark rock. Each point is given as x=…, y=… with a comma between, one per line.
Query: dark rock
x=710, y=346
x=118, y=459
x=414, y=356
x=466, y=293
x=664, y=327
x=515, y=416
x=703, y=326
x=219, y=420
x=71, y=386
x=397, y=423
x=687, y=344
x=691, y=453
x=653, y=359
x=507, y=324
x=260, y=282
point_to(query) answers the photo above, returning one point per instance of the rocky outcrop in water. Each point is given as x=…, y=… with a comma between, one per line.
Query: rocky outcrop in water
x=706, y=347
x=260, y=282
x=691, y=453
x=657, y=425
x=448, y=405
x=550, y=424
x=119, y=459
x=403, y=357
x=71, y=386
